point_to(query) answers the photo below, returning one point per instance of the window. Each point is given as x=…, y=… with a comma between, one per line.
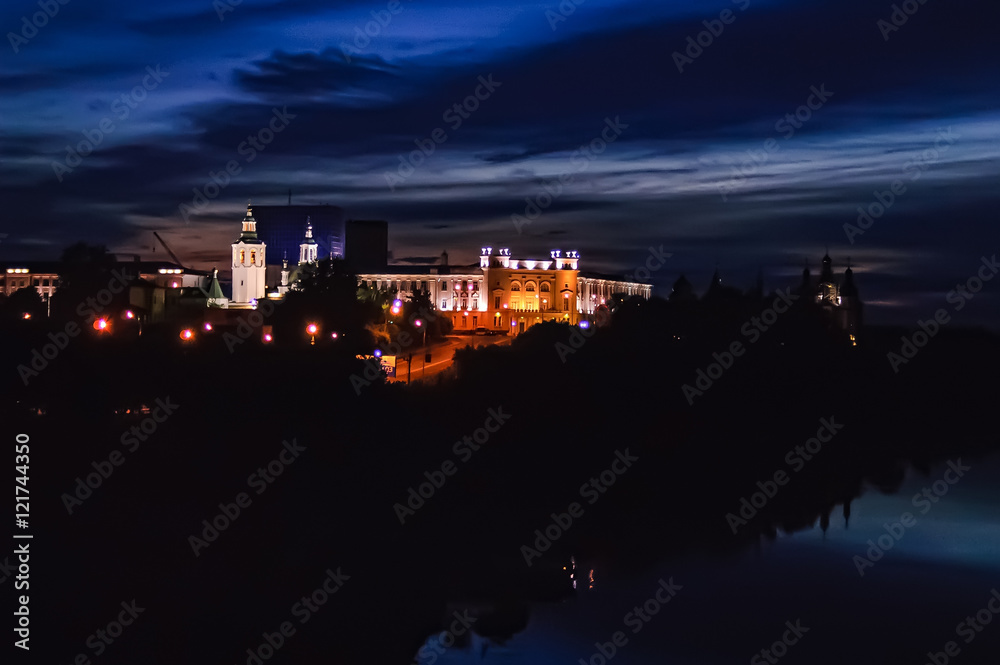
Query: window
x=444, y=303
x=465, y=304
x=475, y=304
x=465, y=284
x=545, y=287
x=253, y=257
x=515, y=286
x=496, y=302
x=444, y=285
x=243, y=256
x=530, y=288
x=566, y=304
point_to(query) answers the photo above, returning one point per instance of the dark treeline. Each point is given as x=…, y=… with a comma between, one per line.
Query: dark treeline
x=573, y=397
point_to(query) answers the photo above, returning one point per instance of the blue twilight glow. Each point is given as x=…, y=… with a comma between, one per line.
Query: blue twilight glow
x=756, y=155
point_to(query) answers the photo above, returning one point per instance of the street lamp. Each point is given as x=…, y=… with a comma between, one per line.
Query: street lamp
x=423, y=331
x=311, y=330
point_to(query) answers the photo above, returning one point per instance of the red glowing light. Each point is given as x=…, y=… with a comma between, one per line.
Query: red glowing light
x=187, y=334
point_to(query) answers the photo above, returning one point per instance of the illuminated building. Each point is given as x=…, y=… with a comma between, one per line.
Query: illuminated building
x=504, y=294
x=249, y=268
x=838, y=302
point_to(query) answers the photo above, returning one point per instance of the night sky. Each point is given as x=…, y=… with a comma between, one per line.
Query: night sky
x=918, y=104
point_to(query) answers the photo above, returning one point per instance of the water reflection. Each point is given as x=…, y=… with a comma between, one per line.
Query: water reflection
x=912, y=602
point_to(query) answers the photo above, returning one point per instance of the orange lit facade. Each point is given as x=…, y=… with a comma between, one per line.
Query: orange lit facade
x=508, y=295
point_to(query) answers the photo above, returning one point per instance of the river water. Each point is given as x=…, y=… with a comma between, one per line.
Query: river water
x=801, y=597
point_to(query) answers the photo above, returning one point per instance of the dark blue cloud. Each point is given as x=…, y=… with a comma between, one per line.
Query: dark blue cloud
x=361, y=106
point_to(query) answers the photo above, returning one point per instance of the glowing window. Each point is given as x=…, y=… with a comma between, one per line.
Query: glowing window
x=545, y=287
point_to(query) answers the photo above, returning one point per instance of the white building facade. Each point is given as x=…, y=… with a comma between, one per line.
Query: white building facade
x=248, y=265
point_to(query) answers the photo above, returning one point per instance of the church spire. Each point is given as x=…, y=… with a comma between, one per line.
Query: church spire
x=249, y=225
x=309, y=249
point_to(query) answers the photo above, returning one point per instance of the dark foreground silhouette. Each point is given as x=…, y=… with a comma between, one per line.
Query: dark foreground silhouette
x=570, y=406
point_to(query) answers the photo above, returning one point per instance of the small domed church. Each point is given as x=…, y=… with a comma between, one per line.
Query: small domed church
x=838, y=301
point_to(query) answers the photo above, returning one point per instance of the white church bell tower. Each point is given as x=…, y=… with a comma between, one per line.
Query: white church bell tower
x=248, y=263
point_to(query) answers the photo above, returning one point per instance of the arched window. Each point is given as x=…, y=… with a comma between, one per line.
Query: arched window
x=530, y=287
x=515, y=286
x=243, y=256
x=253, y=256
x=545, y=287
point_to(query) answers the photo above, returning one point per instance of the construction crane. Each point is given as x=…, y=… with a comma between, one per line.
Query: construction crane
x=169, y=251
